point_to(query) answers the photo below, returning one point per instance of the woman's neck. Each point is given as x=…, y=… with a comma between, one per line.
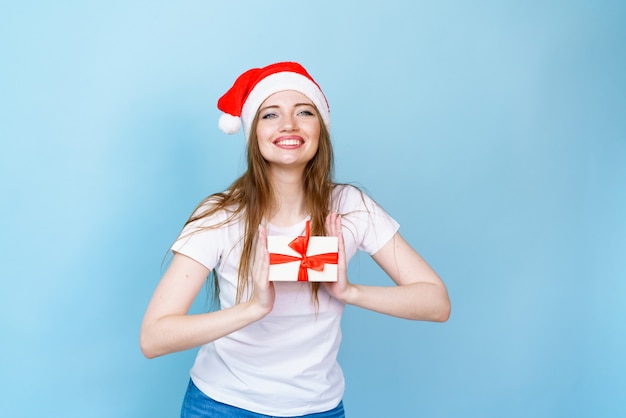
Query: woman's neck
x=289, y=198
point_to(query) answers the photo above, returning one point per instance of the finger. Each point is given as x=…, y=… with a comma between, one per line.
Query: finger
x=337, y=222
x=331, y=224
x=328, y=225
x=263, y=244
x=339, y=235
x=262, y=236
x=261, y=258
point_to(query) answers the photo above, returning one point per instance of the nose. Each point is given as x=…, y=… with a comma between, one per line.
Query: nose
x=288, y=123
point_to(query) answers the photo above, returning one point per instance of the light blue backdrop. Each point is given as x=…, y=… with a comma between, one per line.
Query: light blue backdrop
x=493, y=131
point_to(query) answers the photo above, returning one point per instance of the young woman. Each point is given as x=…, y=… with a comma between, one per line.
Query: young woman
x=271, y=348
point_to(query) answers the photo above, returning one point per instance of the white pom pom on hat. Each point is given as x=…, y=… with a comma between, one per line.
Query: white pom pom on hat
x=229, y=124
x=241, y=102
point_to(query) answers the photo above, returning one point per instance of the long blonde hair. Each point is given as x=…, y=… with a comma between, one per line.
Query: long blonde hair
x=251, y=197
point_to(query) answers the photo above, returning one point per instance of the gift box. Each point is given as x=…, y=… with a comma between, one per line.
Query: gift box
x=303, y=258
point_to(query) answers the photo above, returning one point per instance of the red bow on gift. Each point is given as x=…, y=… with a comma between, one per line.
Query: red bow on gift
x=300, y=245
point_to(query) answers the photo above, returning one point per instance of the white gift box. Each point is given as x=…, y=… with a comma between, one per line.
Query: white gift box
x=319, y=265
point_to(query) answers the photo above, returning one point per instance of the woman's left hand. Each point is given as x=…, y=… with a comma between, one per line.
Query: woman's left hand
x=342, y=287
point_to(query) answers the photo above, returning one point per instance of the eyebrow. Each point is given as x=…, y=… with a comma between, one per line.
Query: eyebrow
x=277, y=106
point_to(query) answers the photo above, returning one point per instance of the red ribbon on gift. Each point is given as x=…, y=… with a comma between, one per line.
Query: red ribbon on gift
x=314, y=262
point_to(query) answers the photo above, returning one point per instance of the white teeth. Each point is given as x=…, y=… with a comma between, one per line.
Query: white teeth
x=289, y=142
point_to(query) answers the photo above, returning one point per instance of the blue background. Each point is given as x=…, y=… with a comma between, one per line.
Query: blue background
x=494, y=132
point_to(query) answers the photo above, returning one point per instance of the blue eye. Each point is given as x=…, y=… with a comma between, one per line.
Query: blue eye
x=269, y=116
x=306, y=110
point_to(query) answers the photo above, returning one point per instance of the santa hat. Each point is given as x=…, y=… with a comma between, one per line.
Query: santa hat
x=241, y=102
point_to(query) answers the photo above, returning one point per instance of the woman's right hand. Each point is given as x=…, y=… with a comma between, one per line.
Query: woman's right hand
x=263, y=294
x=168, y=327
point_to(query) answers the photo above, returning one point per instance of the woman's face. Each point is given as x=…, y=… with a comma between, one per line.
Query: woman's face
x=288, y=129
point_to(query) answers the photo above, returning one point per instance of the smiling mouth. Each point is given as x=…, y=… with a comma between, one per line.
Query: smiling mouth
x=289, y=142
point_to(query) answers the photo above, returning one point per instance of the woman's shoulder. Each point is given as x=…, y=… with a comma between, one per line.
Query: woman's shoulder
x=213, y=211
x=367, y=226
x=351, y=199
x=346, y=190
x=350, y=196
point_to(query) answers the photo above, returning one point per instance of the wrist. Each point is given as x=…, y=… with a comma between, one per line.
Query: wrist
x=350, y=295
x=256, y=310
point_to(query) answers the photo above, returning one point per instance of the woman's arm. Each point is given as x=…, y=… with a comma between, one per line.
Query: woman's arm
x=168, y=328
x=420, y=294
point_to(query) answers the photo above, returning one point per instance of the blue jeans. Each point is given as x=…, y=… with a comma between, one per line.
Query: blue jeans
x=197, y=405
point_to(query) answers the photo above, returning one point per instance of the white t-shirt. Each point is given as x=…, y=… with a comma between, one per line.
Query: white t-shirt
x=285, y=364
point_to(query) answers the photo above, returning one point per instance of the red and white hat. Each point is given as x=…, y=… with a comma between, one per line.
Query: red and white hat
x=241, y=102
